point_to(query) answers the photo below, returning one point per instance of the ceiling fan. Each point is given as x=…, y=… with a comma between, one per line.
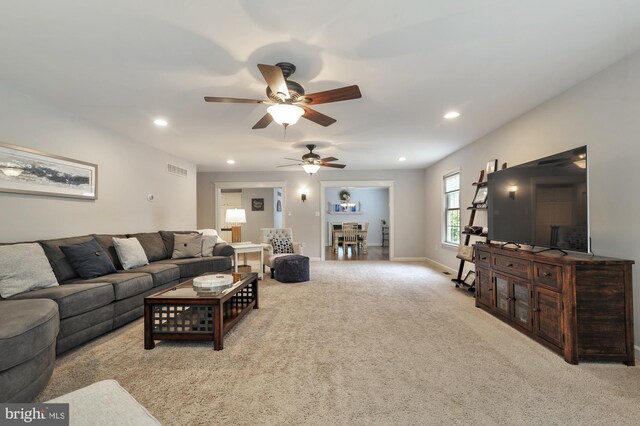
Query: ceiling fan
x=288, y=100
x=311, y=162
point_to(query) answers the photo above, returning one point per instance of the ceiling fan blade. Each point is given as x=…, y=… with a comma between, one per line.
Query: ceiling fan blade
x=337, y=166
x=233, y=100
x=263, y=122
x=326, y=160
x=316, y=117
x=275, y=79
x=335, y=95
x=288, y=165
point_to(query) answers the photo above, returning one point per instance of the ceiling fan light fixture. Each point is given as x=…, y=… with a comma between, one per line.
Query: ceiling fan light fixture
x=285, y=114
x=311, y=168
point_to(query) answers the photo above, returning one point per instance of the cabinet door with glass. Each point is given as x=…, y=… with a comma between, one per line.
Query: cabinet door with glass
x=502, y=295
x=513, y=299
x=521, y=300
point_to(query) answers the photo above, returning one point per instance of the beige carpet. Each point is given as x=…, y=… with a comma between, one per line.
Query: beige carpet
x=362, y=343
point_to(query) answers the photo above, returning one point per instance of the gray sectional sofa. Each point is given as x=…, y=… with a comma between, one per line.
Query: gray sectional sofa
x=88, y=308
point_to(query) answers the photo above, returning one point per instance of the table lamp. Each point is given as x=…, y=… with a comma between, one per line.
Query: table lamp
x=236, y=217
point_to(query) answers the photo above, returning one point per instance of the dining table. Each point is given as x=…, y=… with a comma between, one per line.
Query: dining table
x=337, y=233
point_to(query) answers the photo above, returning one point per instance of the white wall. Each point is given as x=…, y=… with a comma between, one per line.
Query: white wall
x=375, y=206
x=127, y=172
x=256, y=219
x=603, y=113
x=301, y=217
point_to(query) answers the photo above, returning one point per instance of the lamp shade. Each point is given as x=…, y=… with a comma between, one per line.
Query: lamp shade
x=235, y=216
x=285, y=114
x=311, y=168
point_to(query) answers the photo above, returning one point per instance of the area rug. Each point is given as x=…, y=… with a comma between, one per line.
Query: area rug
x=361, y=343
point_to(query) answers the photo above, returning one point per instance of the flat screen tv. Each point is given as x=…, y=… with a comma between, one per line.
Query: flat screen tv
x=542, y=203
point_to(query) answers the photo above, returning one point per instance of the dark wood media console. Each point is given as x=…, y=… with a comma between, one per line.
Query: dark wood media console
x=580, y=306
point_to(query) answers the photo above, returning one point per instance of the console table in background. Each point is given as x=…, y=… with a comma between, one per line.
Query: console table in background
x=580, y=306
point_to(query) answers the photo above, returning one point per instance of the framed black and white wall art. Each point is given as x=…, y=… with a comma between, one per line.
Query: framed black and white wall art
x=28, y=171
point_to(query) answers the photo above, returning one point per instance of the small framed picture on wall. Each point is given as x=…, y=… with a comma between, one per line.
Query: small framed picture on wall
x=257, y=204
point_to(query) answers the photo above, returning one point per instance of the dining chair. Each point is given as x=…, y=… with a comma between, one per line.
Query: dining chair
x=350, y=238
x=362, y=236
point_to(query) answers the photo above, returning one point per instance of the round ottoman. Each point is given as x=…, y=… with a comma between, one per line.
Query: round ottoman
x=28, y=331
x=291, y=269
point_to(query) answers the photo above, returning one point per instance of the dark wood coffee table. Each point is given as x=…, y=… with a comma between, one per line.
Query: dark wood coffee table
x=182, y=313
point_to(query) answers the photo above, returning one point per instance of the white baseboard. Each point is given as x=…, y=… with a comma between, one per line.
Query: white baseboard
x=315, y=258
x=409, y=259
x=439, y=265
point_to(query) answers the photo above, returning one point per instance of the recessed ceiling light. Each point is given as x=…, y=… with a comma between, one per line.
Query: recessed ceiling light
x=402, y=159
x=231, y=161
x=160, y=122
x=452, y=114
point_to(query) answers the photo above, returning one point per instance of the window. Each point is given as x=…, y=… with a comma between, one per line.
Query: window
x=452, y=208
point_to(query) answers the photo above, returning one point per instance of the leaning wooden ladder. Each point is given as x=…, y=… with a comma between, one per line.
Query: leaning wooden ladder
x=459, y=280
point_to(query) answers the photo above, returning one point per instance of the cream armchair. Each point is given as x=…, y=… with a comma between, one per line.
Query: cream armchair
x=265, y=237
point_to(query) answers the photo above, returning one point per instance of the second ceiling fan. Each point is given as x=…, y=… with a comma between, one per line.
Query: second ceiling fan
x=311, y=162
x=288, y=99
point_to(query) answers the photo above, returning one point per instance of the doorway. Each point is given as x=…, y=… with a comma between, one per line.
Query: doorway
x=263, y=203
x=365, y=203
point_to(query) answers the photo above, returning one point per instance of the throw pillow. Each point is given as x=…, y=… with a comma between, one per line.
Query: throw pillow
x=130, y=253
x=89, y=259
x=24, y=267
x=282, y=245
x=208, y=242
x=212, y=233
x=187, y=245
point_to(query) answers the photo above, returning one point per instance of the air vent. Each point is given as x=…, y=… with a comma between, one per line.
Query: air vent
x=175, y=170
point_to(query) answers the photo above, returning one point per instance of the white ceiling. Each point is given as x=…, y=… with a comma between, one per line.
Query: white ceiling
x=121, y=64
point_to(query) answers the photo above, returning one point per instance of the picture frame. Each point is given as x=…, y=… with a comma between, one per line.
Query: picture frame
x=257, y=204
x=465, y=253
x=470, y=278
x=492, y=165
x=481, y=196
x=29, y=171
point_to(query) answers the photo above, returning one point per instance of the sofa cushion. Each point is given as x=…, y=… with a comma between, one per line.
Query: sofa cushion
x=89, y=259
x=106, y=242
x=24, y=267
x=194, y=266
x=152, y=244
x=187, y=245
x=73, y=299
x=168, y=238
x=130, y=253
x=61, y=266
x=160, y=273
x=28, y=327
x=125, y=284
